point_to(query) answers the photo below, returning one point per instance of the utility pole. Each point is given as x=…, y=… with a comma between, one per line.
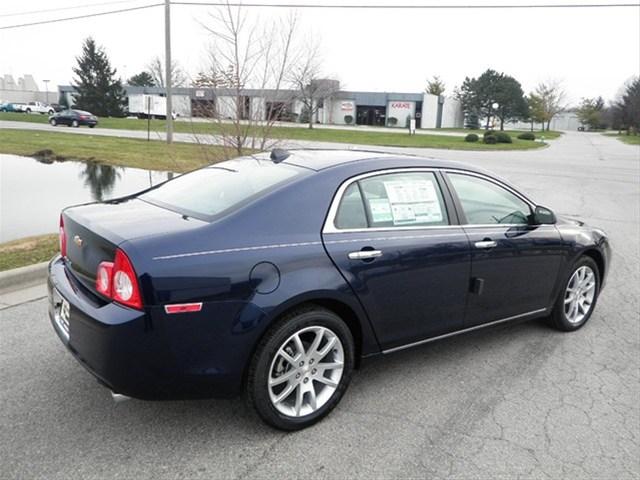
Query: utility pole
x=167, y=64
x=46, y=87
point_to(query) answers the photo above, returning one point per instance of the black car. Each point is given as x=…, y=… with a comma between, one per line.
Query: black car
x=73, y=118
x=274, y=275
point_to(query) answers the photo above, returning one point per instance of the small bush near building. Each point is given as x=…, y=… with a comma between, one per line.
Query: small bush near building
x=489, y=132
x=392, y=121
x=472, y=137
x=348, y=119
x=502, y=137
x=490, y=139
x=527, y=136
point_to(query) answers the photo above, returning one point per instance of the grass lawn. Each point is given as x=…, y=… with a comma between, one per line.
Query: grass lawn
x=27, y=251
x=547, y=134
x=390, y=139
x=126, y=152
x=629, y=139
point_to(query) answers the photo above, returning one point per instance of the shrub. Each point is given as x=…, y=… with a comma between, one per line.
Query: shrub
x=348, y=119
x=502, y=137
x=527, y=136
x=490, y=139
x=392, y=121
x=489, y=132
x=472, y=137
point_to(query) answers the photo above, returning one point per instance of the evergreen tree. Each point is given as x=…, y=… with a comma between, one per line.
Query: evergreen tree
x=142, y=79
x=435, y=86
x=97, y=88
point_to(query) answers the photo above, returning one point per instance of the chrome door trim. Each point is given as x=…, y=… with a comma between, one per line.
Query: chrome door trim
x=364, y=254
x=464, y=330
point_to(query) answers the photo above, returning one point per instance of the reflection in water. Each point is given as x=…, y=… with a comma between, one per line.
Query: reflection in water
x=100, y=179
x=32, y=193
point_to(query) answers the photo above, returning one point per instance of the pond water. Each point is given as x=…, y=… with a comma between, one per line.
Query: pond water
x=33, y=192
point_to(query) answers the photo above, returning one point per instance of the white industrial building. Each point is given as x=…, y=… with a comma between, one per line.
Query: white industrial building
x=23, y=90
x=390, y=109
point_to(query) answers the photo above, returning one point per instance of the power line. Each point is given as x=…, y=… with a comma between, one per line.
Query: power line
x=317, y=5
x=88, y=15
x=60, y=9
x=408, y=6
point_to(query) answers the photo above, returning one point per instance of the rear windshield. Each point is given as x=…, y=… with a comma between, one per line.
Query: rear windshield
x=213, y=191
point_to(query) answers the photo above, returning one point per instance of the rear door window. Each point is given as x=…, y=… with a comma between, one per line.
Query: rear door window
x=406, y=199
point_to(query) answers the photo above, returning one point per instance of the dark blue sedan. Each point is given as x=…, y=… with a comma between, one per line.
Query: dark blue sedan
x=275, y=274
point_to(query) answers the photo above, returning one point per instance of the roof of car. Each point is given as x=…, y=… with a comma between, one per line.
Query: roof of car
x=322, y=159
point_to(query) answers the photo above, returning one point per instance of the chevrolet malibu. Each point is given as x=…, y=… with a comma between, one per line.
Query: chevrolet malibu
x=274, y=275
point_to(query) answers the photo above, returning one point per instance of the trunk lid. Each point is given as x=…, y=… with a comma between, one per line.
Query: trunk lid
x=95, y=231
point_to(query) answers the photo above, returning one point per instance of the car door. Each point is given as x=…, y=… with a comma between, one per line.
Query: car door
x=514, y=265
x=395, y=238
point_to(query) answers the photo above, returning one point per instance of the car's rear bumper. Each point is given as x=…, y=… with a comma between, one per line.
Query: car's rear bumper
x=138, y=353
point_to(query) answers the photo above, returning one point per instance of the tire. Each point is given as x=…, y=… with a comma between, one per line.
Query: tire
x=91, y=126
x=568, y=315
x=295, y=410
x=53, y=122
x=28, y=110
x=75, y=124
x=51, y=112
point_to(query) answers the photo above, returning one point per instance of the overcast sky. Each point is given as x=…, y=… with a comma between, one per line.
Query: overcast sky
x=593, y=51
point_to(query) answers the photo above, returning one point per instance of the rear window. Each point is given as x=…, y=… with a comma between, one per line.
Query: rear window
x=213, y=191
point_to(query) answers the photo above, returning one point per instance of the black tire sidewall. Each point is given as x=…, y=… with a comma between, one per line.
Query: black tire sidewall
x=558, y=315
x=257, y=389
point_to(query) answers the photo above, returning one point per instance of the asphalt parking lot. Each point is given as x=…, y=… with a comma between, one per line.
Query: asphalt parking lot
x=521, y=401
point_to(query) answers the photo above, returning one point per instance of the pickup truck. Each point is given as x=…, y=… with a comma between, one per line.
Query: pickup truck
x=38, y=107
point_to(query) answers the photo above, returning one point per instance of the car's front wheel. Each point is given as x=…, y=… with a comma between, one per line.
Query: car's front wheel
x=75, y=124
x=577, y=300
x=301, y=369
x=53, y=122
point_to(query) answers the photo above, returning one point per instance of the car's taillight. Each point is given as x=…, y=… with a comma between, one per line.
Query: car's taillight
x=104, y=278
x=83, y=117
x=117, y=280
x=62, y=238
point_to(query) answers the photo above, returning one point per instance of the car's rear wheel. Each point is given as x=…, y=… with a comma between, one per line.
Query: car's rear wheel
x=576, y=302
x=75, y=124
x=301, y=369
x=53, y=122
x=91, y=126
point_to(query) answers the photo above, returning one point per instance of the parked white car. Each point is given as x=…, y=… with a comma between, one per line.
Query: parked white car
x=38, y=107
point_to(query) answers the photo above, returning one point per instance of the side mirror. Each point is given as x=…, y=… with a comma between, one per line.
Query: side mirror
x=543, y=216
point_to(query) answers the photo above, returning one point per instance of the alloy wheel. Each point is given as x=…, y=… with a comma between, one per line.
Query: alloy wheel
x=580, y=294
x=306, y=371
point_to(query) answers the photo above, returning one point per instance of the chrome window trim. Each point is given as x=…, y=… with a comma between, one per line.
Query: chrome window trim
x=329, y=225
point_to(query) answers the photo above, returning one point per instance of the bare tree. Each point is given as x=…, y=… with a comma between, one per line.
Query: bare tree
x=548, y=99
x=157, y=71
x=253, y=59
x=313, y=88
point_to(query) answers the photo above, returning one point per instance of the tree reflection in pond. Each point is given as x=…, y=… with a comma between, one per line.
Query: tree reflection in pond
x=100, y=179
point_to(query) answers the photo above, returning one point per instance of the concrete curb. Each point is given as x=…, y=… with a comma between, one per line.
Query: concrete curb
x=23, y=276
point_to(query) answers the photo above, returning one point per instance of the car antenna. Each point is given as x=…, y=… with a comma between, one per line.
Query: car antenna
x=279, y=155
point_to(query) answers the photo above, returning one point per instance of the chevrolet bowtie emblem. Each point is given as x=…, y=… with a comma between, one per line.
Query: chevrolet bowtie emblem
x=77, y=240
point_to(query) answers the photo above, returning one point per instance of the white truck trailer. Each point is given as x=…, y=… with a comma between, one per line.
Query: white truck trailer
x=143, y=105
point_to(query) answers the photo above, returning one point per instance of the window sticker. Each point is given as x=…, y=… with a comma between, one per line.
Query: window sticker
x=413, y=201
x=380, y=210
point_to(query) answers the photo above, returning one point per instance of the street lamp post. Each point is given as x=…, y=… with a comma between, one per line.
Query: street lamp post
x=46, y=88
x=495, y=107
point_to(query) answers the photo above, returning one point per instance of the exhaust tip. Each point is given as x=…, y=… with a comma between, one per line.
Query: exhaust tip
x=118, y=397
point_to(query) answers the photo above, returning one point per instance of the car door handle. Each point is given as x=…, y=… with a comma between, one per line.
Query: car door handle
x=486, y=244
x=365, y=254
